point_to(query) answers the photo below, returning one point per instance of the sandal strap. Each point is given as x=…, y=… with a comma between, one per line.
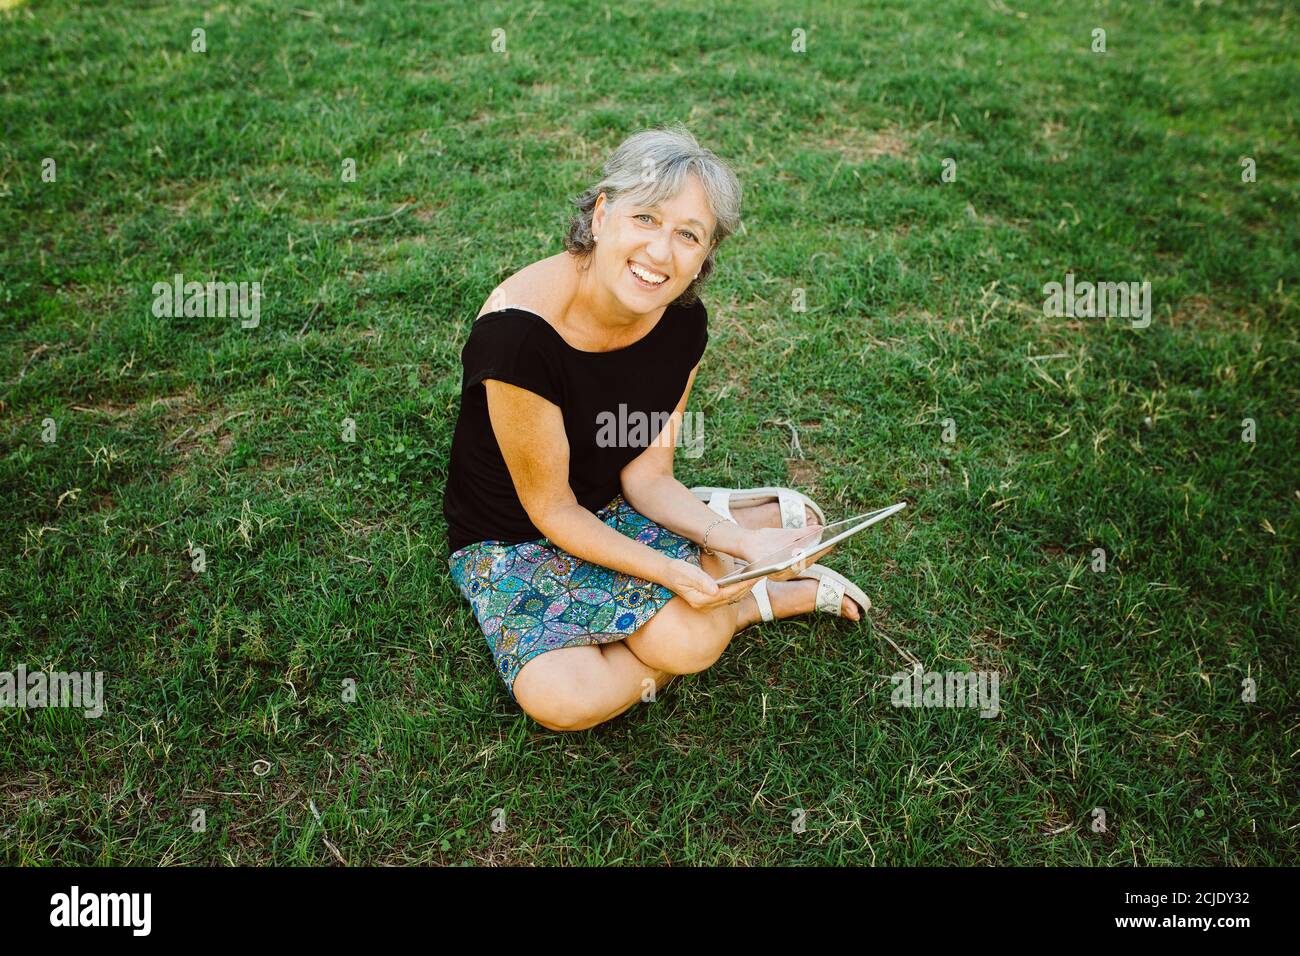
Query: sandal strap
x=792, y=513
x=764, y=603
x=720, y=502
x=830, y=596
x=791, y=502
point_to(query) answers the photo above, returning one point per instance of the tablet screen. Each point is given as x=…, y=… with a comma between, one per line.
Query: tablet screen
x=809, y=543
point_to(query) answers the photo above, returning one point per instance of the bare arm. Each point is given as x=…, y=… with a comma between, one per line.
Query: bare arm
x=530, y=433
x=649, y=487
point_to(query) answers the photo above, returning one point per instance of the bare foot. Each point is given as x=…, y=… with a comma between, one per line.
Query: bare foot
x=789, y=599
x=767, y=515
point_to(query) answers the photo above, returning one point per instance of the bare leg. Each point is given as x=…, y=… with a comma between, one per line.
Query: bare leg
x=577, y=688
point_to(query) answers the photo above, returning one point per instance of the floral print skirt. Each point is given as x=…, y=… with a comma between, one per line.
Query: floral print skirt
x=533, y=597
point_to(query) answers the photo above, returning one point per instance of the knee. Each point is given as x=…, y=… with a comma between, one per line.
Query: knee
x=560, y=705
x=695, y=647
x=567, y=719
x=692, y=661
x=555, y=723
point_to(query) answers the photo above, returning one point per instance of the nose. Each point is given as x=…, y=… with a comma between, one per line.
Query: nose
x=659, y=251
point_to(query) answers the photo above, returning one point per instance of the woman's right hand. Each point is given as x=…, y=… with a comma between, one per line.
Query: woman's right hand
x=698, y=589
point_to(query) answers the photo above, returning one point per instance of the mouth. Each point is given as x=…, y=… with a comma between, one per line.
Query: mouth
x=645, y=277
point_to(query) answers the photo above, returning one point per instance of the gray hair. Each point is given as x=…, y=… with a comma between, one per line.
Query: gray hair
x=649, y=167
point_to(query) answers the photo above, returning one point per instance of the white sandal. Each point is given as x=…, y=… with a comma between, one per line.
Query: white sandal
x=831, y=589
x=764, y=603
x=792, y=502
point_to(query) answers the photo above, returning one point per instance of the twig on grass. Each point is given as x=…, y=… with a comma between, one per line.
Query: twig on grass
x=39, y=350
x=796, y=450
x=906, y=655
x=391, y=215
x=172, y=444
x=311, y=315
x=324, y=836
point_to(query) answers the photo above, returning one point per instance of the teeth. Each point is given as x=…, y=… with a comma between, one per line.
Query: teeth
x=650, y=277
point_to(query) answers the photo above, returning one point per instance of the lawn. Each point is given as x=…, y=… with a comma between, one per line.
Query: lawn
x=312, y=681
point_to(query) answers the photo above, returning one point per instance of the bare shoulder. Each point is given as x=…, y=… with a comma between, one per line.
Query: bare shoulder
x=542, y=287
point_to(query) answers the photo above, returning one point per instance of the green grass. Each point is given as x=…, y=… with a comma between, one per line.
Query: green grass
x=325, y=560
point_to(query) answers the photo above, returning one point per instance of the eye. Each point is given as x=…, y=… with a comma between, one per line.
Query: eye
x=684, y=232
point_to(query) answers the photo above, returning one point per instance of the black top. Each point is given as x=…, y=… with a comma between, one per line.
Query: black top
x=596, y=391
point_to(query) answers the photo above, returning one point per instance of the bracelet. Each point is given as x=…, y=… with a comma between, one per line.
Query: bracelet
x=705, y=544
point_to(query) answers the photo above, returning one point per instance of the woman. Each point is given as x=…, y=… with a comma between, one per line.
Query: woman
x=589, y=566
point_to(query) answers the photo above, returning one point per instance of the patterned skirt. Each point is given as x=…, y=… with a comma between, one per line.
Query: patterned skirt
x=533, y=597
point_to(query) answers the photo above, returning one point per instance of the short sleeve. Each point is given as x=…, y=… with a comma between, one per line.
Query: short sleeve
x=507, y=346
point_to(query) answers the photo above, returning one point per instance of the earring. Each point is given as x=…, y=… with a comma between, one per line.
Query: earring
x=697, y=275
x=595, y=238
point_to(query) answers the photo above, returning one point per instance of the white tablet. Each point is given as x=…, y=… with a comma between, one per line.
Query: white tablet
x=808, y=547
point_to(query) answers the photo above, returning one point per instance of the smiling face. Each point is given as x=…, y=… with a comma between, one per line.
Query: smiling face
x=648, y=254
